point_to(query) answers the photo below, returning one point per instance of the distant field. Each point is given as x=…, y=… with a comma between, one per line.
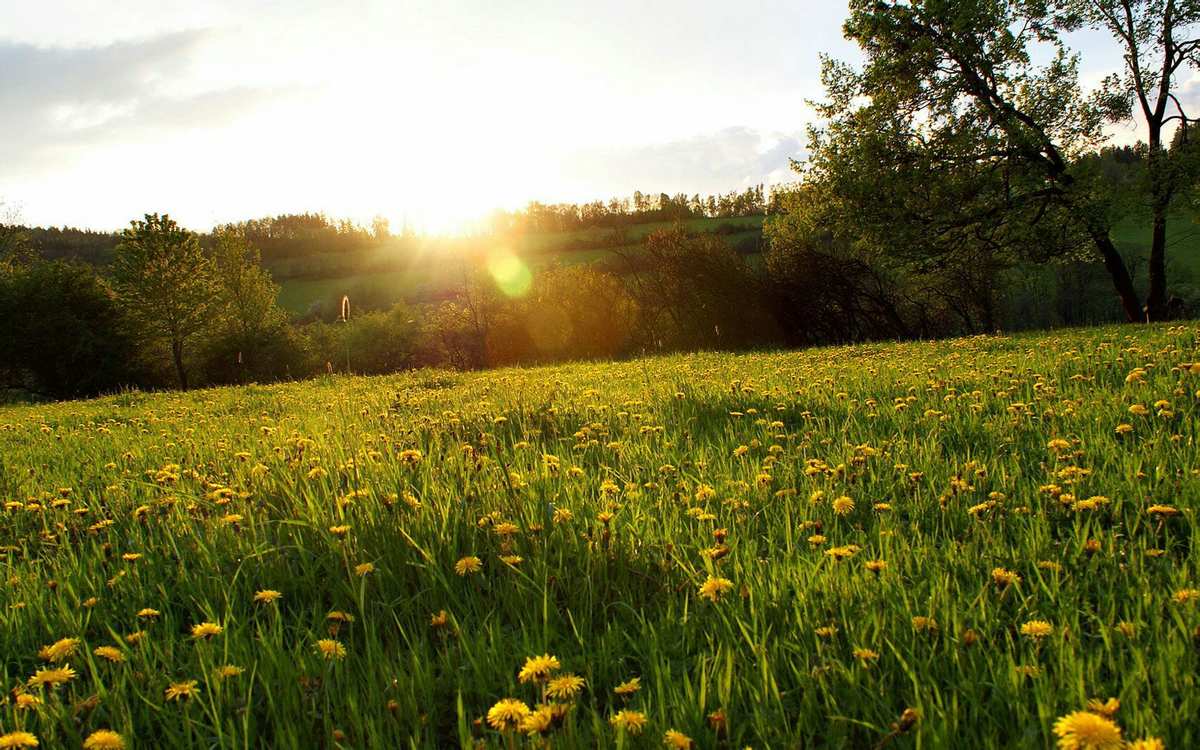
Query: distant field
x=925, y=545
x=425, y=278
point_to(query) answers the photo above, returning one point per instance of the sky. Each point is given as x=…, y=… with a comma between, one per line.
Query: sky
x=430, y=113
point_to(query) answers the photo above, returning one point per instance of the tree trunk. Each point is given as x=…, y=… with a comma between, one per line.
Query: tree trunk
x=1115, y=265
x=1156, y=300
x=180, y=372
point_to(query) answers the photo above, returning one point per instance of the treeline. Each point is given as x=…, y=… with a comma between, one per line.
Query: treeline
x=641, y=208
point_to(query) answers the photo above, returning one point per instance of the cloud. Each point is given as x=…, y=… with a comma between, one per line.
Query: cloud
x=715, y=162
x=58, y=101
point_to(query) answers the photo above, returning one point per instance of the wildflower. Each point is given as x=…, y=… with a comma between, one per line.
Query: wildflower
x=1165, y=511
x=206, y=630
x=104, y=739
x=923, y=624
x=363, y=569
x=1106, y=708
x=26, y=701
x=267, y=596
x=339, y=616
x=146, y=613
x=714, y=588
x=538, y=721
x=1124, y=429
x=468, y=565
x=876, y=566
x=1150, y=743
x=866, y=655
x=111, y=653
x=181, y=691
x=228, y=670
x=339, y=532
x=59, y=650
x=330, y=649
x=440, y=619
x=628, y=721
x=566, y=687
x=677, y=740
x=513, y=560
x=52, y=677
x=506, y=528
x=538, y=668
x=1004, y=577
x=841, y=553
x=629, y=687
x=563, y=515
x=1083, y=730
x=843, y=506
x=1037, y=629
x=1184, y=596
x=18, y=740
x=826, y=631
x=507, y=714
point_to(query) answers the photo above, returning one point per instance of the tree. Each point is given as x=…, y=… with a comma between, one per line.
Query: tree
x=248, y=334
x=1153, y=37
x=15, y=245
x=63, y=336
x=951, y=146
x=165, y=284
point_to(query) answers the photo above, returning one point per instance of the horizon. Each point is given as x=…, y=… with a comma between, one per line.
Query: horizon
x=232, y=111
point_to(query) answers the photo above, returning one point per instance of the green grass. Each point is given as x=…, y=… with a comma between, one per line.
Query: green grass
x=219, y=493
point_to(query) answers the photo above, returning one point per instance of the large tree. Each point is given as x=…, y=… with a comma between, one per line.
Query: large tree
x=165, y=283
x=952, y=146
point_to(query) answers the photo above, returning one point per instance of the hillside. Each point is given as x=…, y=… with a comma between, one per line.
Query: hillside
x=426, y=269
x=925, y=544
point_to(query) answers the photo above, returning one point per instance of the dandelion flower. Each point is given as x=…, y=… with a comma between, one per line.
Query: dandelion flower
x=228, y=670
x=18, y=740
x=330, y=649
x=628, y=721
x=714, y=588
x=1106, y=708
x=267, y=596
x=104, y=739
x=363, y=569
x=1037, y=629
x=146, y=613
x=52, y=677
x=206, y=630
x=843, y=505
x=565, y=687
x=60, y=650
x=629, y=687
x=1150, y=743
x=677, y=740
x=468, y=565
x=1083, y=730
x=111, y=653
x=538, y=668
x=181, y=691
x=507, y=714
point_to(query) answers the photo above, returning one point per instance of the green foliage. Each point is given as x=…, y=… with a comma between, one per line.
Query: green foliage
x=165, y=283
x=63, y=334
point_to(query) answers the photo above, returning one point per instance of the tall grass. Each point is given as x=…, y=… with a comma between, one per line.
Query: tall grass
x=618, y=480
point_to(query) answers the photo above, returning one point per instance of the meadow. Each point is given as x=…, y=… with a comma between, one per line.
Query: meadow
x=982, y=542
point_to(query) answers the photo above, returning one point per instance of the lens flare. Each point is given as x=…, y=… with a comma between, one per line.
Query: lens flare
x=510, y=273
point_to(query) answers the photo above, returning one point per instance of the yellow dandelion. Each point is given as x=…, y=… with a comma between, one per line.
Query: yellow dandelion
x=538, y=668
x=566, y=687
x=206, y=630
x=60, y=650
x=267, y=596
x=628, y=721
x=629, y=687
x=363, y=569
x=18, y=740
x=330, y=649
x=507, y=714
x=147, y=613
x=104, y=739
x=1083, y=730
x=110, y=653
x=52, y=677
x=714, y=588
x=227, y=671
x=181, y=691
x=677, y=740
x=538, y=721
x=1037, y=629
x=843, y=505
x=468, y=565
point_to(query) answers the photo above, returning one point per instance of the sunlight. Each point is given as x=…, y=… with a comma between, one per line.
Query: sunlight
x=510, y=273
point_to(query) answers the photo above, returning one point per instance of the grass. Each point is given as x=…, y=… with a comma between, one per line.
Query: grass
x=629, y=491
